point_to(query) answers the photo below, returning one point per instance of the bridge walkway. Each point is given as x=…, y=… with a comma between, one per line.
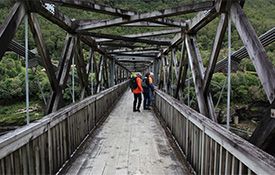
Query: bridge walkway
x=127, y=143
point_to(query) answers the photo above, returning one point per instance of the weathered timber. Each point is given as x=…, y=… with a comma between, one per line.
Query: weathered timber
x=121, y=151
x=175, y=41
x=183, y=65
x=42, y=49
x=140, y=58
x=192, y=131
x=123, y=38
x=196, y=74
x=143, y=24
x=90, y=42
x=34, y=60
x=201, y=20
x=44, y=146
x=208, y=96
x=134, y=61
x=222, y=6
x=215, y=52
x=147, y=34
x=10, y=25
x=56, y=17
x=81, y=70
x=56, y=98
x=140, y=52
x=150, y=15
x=170, y=22
x=256, y=51
x=90, y=6
x=135, y=55
x=100, y=70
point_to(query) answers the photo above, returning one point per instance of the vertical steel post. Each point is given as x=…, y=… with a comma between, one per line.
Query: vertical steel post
x=27, y=73
x=228, y=73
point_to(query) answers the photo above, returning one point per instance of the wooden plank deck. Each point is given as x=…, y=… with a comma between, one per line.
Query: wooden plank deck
x=127, y=143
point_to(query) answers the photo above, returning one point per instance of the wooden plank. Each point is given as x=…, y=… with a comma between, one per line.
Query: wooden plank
x=244, y=152
x=126, y=144
x=10, y=25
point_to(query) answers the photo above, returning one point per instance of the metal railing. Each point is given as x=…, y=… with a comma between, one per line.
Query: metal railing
x=44, y=146
x=208, y=147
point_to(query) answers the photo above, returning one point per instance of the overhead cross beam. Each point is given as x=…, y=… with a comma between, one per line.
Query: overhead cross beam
x=56, y=17
x=150, y=16
x=147, y=34
x=90, y=6
x=123, y=38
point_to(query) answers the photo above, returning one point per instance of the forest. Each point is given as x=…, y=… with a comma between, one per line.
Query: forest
x=248, y=98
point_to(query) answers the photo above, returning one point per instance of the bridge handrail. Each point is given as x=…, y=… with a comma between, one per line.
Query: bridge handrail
x=255, y=159
x=15, y=140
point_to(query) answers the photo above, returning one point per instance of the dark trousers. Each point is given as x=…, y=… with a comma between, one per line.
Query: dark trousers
x=137, y=97
x=146, y=101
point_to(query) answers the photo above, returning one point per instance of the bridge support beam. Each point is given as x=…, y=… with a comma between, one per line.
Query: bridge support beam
x=10, y=25
x=264, y=134
x=81, y=70
x=42, y=49
x=182, y=72
x=205, y=103
x=56, y=98
x=112, y=73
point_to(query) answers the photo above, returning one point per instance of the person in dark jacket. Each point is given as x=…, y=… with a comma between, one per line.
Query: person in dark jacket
x=148, y=87
x=146, y=92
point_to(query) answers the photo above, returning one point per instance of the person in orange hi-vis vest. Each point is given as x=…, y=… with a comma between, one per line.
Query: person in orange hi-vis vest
x=137, y=93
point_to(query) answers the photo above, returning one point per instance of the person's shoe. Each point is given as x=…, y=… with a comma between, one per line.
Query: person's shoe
x=134, y=110
x=138, y=110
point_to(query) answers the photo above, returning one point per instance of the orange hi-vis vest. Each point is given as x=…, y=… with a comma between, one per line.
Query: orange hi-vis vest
x=139, y=89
